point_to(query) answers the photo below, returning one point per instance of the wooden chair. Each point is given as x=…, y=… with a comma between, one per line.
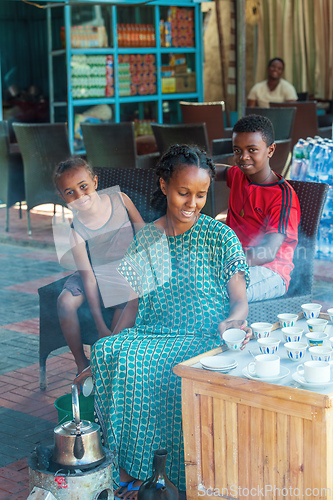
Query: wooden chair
x=211, y=113
x=192, y=133
x=139, y=185
x=112, y=145
x=306, y=122
x=42, y=147
x=311, y=197
x=12, y=175
x=282, y=119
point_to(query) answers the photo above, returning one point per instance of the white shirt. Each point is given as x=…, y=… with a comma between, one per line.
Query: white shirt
x=261, y=93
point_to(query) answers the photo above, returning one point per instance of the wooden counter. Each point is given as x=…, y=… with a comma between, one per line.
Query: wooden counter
x=249, y=439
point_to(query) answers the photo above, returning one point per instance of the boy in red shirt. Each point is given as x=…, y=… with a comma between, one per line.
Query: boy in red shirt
x=263, y=209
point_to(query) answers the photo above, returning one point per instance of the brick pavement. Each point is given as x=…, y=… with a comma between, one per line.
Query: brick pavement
x=27, y=415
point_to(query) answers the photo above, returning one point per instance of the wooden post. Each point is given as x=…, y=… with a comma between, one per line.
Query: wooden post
x=240, y=57
x=223, y=61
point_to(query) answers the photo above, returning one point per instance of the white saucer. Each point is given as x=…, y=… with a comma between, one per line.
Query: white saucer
x=283, y=373
x=222, y=370
x=299, y=378
x=217, y=363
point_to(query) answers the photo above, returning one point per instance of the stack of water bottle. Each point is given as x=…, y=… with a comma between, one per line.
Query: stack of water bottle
x=313, y=161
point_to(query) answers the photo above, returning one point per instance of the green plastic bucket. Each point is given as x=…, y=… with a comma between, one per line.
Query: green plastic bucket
x=64, y=407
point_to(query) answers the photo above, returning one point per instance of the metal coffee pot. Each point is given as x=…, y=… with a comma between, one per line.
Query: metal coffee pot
x=77, y=443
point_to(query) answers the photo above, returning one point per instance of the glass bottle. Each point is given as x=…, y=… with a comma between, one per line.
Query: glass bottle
x=158, y=486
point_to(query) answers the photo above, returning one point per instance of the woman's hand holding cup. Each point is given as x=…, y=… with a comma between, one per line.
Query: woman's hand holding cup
x=235, y=323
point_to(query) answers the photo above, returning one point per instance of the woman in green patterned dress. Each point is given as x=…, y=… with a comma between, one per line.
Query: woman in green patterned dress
x=189, y=274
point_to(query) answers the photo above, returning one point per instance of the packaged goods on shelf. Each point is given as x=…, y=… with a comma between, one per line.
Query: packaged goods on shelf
x=136, y=35
x=142, y=127
x=138, y=71
x=178, y=29
x=92, y=76
x=86, y=37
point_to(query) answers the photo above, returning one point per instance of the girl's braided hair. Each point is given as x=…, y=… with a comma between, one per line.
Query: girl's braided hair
x=69, y=164
x=178, y=156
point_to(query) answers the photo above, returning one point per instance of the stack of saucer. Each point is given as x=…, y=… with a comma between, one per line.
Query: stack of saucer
x=218, y=364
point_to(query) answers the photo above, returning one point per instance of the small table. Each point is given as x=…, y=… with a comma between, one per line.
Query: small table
x=252, y=439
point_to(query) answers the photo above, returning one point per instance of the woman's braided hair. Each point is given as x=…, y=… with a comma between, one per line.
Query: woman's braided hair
x=178, y=156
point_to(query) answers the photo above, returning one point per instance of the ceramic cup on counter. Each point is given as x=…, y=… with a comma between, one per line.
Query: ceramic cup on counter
x=311, y=310
x=265, y=365
x=316, y=338
x=261, y=329
x=268, y=345
x=315, y=372
x=316, y=324
x=287, y=319
x=292, y=333
x=295, y=350
x=234, y=338
x=321, y=353
x=330, y=313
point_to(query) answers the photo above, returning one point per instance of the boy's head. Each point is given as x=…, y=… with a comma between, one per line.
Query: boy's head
x=256, y=123
x=253, y=146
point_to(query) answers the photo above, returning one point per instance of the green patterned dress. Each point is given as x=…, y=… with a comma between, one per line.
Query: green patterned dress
x=181, y=282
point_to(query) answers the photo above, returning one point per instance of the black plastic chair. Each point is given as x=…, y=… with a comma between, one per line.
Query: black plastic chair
x=112, y=145
x=281, y=159
x=139, y=185
x=311, y=197
x=42, y=147
x=190, y=133
x=306, y=122
x=12, y=176
x=282, y=119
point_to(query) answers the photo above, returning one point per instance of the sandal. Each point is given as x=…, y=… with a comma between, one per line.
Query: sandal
x=124, y=487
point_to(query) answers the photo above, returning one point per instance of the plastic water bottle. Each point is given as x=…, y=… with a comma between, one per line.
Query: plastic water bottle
x=328, y=207
x=297, y=160
x=315, y=163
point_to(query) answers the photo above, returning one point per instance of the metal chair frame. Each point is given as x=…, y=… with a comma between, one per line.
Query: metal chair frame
x=12, y=174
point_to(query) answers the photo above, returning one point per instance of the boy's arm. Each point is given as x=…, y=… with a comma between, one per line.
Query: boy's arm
x=89, y=283
x=266, y=251
x=221, y=172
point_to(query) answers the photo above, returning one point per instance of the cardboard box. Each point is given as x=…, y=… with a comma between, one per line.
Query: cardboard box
x=185, y=82
x=168, y=85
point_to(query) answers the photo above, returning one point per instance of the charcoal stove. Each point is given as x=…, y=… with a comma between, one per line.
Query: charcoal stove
x=56, y=483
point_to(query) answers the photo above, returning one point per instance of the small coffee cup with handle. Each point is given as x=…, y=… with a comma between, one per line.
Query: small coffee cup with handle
x=315, y=372
x=265, y=365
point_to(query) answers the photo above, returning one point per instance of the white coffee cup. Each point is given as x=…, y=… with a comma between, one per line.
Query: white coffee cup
x=316, y=372
x=265, y=365
x=88, y=387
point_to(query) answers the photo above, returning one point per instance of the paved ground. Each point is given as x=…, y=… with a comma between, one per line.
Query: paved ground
x=27, y=415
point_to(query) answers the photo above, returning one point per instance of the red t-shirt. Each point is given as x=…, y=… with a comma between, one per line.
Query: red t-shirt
x=258, y=209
